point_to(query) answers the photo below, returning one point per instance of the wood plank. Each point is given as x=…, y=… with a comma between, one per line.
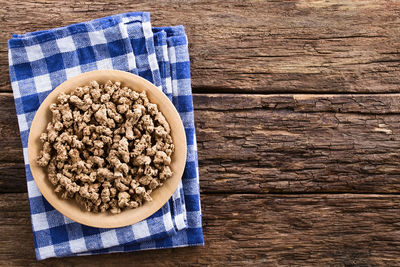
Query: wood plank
x=10, y=142
x=12, y=177
x=243, y=229
x=298, y=143
x=252, y=46
x=273, y=143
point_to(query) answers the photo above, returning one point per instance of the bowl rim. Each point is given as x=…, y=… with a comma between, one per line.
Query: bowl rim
x=160, y=196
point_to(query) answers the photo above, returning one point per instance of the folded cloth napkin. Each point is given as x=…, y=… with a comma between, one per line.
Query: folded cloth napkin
x=42, y=60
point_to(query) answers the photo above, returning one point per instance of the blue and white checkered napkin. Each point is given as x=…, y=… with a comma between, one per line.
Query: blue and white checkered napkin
x=40, y=61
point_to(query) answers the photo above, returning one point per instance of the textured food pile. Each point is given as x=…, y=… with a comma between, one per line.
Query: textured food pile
x=107, y=147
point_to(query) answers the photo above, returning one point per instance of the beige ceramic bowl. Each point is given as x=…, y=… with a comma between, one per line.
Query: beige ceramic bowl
x=160, y=196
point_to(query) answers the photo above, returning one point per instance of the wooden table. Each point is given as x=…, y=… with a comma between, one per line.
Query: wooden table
x=298, y=125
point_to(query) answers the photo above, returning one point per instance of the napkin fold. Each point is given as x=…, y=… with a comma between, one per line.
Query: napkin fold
x=40, y=61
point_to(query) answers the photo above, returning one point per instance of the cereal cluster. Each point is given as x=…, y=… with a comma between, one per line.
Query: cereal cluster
x=107, y=147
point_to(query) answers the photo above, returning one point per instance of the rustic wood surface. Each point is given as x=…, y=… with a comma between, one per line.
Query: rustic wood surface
x=278, y=230
x=297, y=107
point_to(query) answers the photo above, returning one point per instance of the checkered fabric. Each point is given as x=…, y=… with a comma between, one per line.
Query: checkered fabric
x=40, y=61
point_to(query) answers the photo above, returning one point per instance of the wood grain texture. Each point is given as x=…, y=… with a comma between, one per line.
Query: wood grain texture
x=252, y=46
x=286, y=230
x=275, y=170
x=273, y=143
